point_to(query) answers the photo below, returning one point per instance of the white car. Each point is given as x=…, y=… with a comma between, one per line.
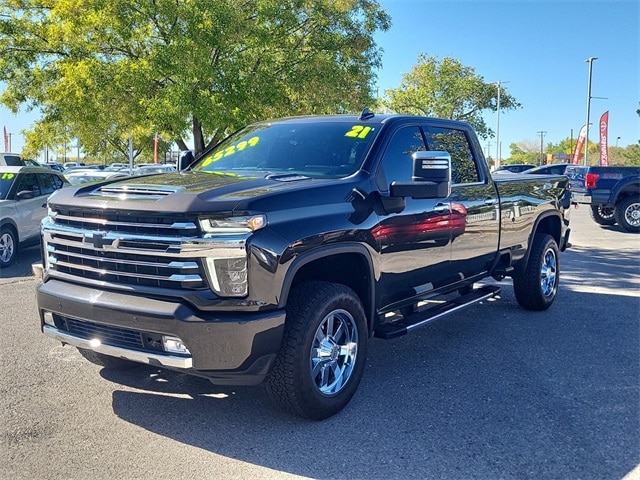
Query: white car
x=23, y=204
x=76, y=177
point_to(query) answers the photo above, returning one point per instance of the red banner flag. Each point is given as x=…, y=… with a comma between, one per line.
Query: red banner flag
x=604, y=147
x=6, y=140
x=576, y=153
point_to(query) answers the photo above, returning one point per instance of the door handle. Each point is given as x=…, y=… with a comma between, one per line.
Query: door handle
x=441, y=208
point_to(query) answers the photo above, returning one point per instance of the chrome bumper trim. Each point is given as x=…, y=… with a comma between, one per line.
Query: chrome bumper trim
x=169, y=361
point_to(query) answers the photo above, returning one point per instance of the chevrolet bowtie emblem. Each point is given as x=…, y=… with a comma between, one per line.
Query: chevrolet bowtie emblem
x=97, y=240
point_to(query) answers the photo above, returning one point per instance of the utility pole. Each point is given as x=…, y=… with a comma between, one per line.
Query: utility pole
x=542, y=134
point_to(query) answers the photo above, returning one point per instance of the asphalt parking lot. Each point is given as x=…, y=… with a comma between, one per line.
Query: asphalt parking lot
x=495, y=392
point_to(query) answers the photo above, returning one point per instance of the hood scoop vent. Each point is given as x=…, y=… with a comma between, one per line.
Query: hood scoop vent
x=137, y=190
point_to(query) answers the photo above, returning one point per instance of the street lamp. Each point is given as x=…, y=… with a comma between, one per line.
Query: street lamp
x=586, y=146
x=617, y=141
x=497, y=162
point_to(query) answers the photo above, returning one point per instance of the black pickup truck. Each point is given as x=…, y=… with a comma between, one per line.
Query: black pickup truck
x=278, y=253
x=612, y=193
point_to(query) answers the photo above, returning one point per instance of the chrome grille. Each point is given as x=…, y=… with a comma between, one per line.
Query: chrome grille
x=128, y=250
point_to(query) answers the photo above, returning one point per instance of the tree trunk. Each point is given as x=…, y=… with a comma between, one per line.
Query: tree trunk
x=198, y=137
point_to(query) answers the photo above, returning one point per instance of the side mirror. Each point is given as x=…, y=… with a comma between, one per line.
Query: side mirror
x=185, y=160
x=25, y=195
x=431, y=177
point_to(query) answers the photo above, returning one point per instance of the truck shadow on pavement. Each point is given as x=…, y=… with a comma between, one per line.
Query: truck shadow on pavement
x=494, y=392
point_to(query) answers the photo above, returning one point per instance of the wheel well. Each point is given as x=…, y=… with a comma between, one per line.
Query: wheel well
x=11, y=227
x=350, y=269
x=550, y=225
x=633, y=189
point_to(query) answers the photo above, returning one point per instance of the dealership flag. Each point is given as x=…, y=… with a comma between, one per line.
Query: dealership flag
x=576, y=153
x=604, y=147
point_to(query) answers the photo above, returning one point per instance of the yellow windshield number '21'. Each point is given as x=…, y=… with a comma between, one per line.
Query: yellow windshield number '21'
x=358, y=131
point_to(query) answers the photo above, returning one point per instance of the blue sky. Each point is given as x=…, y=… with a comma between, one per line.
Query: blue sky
x=537, y=46
x=540, y=48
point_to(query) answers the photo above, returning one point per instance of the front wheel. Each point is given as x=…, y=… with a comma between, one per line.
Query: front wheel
x=537, y=284
x=322, y=357
x=628, y=214
x=603, y=214
x=8, y=246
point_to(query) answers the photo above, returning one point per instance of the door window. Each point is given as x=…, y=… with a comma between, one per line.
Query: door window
x=463, y=166
x=397, y=164
x=50, y=183
x=29, y=182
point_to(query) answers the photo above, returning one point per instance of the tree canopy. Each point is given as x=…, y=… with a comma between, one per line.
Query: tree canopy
x=98, y=70
x=448, y=89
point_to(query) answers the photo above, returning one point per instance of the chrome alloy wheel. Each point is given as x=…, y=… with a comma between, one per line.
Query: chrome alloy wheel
x=7, y=247
x=548, y=273
x=334, y=352
x=632, y=214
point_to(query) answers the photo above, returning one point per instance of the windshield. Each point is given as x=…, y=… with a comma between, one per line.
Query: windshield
x=314, y=149
x=6, y=180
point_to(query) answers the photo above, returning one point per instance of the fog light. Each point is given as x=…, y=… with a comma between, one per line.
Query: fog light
x=48, y=319
x=174, y=345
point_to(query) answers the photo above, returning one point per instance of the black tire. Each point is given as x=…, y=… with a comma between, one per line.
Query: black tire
x=603, y=214
x=8, y=246
x=325, y=333
x=107, y=361
x=627, y=213
x=536, y=285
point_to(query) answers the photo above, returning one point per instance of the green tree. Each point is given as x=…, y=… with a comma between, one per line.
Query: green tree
x=524, y=152
x=101, y=70
x=448, y=89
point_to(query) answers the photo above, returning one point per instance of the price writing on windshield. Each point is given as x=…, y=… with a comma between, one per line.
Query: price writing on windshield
x=231, y=149
x=7, y=176
x=358, y=131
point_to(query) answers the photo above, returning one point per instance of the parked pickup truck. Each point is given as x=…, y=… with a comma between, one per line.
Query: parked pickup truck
x=278, y=253
x=613, y=193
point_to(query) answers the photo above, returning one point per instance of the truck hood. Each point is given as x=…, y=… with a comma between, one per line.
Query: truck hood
x=180, y=191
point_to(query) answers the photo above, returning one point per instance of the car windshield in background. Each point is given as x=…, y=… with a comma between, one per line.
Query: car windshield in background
x=6, y=180
x=331, y=150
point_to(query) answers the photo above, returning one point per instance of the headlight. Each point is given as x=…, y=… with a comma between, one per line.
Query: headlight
x=227, y=273
x=232, y=225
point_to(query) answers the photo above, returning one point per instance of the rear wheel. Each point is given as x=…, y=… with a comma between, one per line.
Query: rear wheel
x=106, y=360
x=323, y=352
x=628, y=214
x=537, y=284
x=8, y=246
x=603, y=214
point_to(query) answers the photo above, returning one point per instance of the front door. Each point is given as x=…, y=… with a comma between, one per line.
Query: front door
x=415, y=244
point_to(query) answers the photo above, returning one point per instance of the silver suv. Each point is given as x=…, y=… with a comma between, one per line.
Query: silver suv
x=23, y=204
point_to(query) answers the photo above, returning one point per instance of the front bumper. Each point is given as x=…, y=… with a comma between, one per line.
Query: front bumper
x=228, y=348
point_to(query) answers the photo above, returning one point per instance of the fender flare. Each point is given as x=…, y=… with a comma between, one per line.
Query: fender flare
x=536, y=225
x=330, y=250
x=633, y=180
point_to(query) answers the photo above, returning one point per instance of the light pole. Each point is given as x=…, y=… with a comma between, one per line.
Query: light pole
x=586, y=143
x=497, y=161
x=617, y=141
